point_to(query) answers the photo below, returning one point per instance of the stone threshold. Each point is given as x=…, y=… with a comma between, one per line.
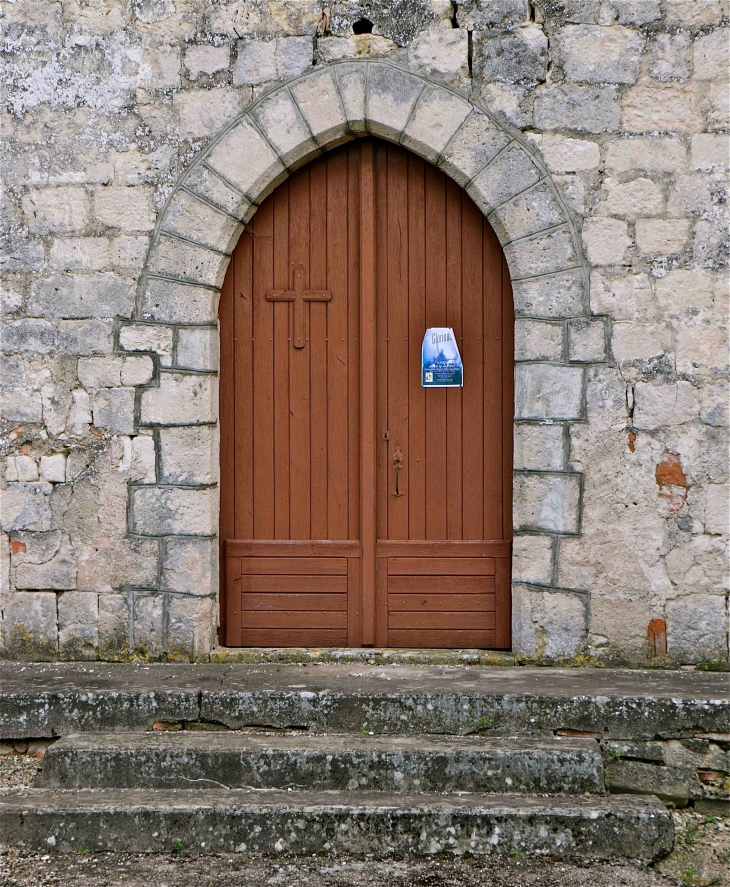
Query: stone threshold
x=362, y=655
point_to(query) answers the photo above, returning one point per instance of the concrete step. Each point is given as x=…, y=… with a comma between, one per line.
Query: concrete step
x=378, y=824
x=332, y=762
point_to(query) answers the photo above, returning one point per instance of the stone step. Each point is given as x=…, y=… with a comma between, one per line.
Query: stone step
x=331, y=762
x=378, y=824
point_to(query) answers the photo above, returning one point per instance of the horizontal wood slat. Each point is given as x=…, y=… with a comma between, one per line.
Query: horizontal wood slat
x=331, y=566
x=293, y=637
x=467, y=603
x=418, y=566
x=441, y=584
x=387, y=548
x=447, y=639
x=278, y=548
x=466, y=621
x=311, y=601
x=320, y=584
x=293, y=619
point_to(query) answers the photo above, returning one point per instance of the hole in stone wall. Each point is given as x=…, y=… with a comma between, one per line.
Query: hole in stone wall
x=362, y=26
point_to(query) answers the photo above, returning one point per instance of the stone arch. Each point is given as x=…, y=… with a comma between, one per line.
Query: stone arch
x=204, y=216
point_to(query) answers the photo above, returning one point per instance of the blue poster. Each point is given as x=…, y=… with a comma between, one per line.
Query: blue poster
x=441, y=365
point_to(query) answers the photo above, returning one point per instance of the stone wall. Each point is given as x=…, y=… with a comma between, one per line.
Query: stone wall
x=600, y=120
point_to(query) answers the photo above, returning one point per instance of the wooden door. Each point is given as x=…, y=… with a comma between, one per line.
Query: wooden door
x=322, y=314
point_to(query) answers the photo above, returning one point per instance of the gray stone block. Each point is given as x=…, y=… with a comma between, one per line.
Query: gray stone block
x=81, y=295
x=477, y=14
x=478, y=141
x=26, y=506
x=190, y=626
x=510, y=173
x=260, y=61
x=547, y=502
x=638, y=778
x=392, y=93
x=539, y=447
x=559, y=295
x=113, y=409
x=513, y=56
x=697, y=628
x=590, y=54
x=656, y=406
x=538, y=340
x=189, y=455
x=527, y=213
x=191, y=218
x=582, y=108
x=353, y=89
x=545, y=253
x=148, y=628
x=546, y=391
x=437, y=116
x=532, y=559
x=197, y=348
x=84, y=337
x=170, y=511
x=586, y=340
x=190, y=566
x=182, y=260
x=37, y=336
x=56, y=574
x=282, y=124
x=319, y=102
x=180, y=400
x=170, y=302
x=29, y=626
x=208, y=184
x=245, y=159
x=78, y=625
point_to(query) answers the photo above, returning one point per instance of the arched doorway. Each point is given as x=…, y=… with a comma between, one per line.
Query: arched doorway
x=358, y=508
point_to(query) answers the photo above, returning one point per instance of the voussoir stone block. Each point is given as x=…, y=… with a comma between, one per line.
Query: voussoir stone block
x=319, y=101
x=547, y=391
x=437, y=116
x=284, y=127
x=164, y=511
x=510, y=173
x=179, y=259
x=479, y=140
x=542, y=253
x=547, y=502
x=180, y=400
x=392, y=93
x=244, y=158
x=527, y=214
x=208, y=184
x=170, y=302
x=189, y=217
x=353, y=89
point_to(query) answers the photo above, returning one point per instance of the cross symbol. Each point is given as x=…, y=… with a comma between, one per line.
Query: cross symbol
x=298, y=295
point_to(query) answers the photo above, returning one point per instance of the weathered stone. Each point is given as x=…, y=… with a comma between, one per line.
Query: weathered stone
x=143, y=465
x=547, y=502
x=180, y=400
x=129, y=251
x=246, y=160
x=548, y=625
x=208, y=184
x=690, y=13
x=204, y=112
x=113, y=409
x=661, y=237
x=319, y=102
x=635, y=777
x=197, y=349
x=636, y=12
x=479, y=141
x=80, y=253
x=113, y=626
x=640, y=341
x=539, y=447
x=527, y=213
x=190, y=566
x=668, y=404
x=88, y=295
x=624, y=298
x=21, y=468
x=61, y=209
x=560, y=295
x=532, y=559
x=697, y=628
x=589, y=54
x=698, y=346
x=167, y=301
x=26, y=507
x=29, y=625
x=510, y=173
x=477, y=15
x=130, y=209
x=189, y=455
x=582, y=108
x=284, y=128
x=78, y=625
x=513, y=57
x=53, y=468
x=164, y=511
x=206, y=59
x=509, y=102
x=441, y=53
x=189, y=626
x=639, y=197
x=538, y=340
x=261, y=61
x=191, y=218
x=653, y=154
x=179, y=259
x=564, y=154
x=710, y=152
x=717, y=506
x=670, y=57
x=542, y=253
x=586, y=340
x=356, y=46
x=715, y=404
x=353, y=87
x=660, y=109
x=148, y=337
x=607, y=241
x=100, y=372
x=148, y=634
x=436, y=118
x=546, y=391
x=391, y=97
x=711, y=56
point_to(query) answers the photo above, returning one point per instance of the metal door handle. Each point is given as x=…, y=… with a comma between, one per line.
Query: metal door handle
x=398, y=461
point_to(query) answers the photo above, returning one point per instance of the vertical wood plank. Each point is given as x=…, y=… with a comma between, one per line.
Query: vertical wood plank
x=233, y=602
x=367, y=391
x=472, y=356
x=354, y=602
x=317, y=348
x=282, y=347
x=227, y=526
x=508, y=398
x=453, y=395
x=381, y=602
x=384, y=481
x=353, y=338
x=299, y=402
x=435, y=316
x=493, y=421
x=503, y=603
x=242, y=369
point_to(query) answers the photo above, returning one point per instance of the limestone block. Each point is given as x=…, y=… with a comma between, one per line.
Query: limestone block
x=586, y=340
x=191, y=218
x=130, y=208
x=528, y=213
x=4, y=567
x=53, y=468
x=143, y=463
x=197, y=348
x=512, y=56
x=509, y=101
x=113, y=410
x=204, y=112
x=159, y=69
x=589, y=54
x=81, y=295
x=669, y=404
x=563, y=154
x=636, y=12
x=545, y=391
x=80, y=254
x=700, y=346
x=532, y=559
x=653, y=154
x=189, y=455
x=356, y=46
x=190, y=624
x=546, y=502
x=691, y=13
x=109, y=563
x=353, y=87
x=264, y=19
x=184, y=261
x=541, y=253
x=21, y=468
x=437, y=116
x=710, y=246
x=563, y=624
x=715, y=404
x=26, y=507
x=207, y=184
x=100, y=372
x=163, y=511
x=62, y=209
x=180, y=400
x=36, y=336
x=661, y=109
x=137, y=370
x=84, y=337
x=29, y=625
x=710, y=152
x=582, y=108
x=20, y=256
x=167, y=301
x=696, y=628
x=319, y=103
x=711, y=58
x=129, y=251
x=147, y=337
x=113, y=626
x=148, y=615
x=441, y=53
x=479, y=141
x=640, y=341
x=203, y=58
x=78, y=625
x=670, y=57
x=717, y=508
x=639, y=197
x=246, y=160
x=607, y=241
x=79, y=417
x=692, y=194
x=538, y=340
x=624, y=298
x=661, y=237
x=560, y=295
x=392, y=93
x=477, y=15
x=190, y=566
x=523, y=630
x=718, y=101
x=260, y=61
x=511, y=172
x=539, y=447
x=285, y=129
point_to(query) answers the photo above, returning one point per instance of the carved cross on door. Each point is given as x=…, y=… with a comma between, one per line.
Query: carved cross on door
x=298, y=296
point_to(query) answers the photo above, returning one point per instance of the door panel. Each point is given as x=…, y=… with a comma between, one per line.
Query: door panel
x=323, y=312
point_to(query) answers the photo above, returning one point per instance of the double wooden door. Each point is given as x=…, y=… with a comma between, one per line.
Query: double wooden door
x=358, y=508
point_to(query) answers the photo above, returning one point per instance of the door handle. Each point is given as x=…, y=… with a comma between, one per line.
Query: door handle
x=398, y=459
